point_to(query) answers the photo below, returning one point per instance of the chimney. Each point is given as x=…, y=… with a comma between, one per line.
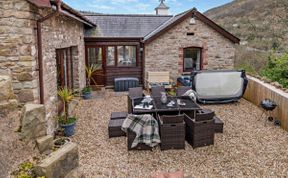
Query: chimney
x=162, y=9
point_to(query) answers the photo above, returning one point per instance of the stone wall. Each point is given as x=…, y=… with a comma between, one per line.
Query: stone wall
x=18, y=51
x=18, y=47
x=8, y=100
x=166, y=52
x=61, y=32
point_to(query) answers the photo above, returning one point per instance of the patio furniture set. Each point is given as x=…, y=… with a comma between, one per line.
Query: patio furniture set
x=178, y=118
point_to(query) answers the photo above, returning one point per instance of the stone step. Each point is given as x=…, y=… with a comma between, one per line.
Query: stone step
x=44, y=143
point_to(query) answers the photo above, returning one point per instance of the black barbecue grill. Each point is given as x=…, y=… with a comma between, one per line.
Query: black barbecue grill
x=268, y=106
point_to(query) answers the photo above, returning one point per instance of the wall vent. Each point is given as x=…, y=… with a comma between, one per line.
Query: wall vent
x=190, y=34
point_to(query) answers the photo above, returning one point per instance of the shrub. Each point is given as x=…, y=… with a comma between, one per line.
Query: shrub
x=26, y=170
x=250, y=60
x=277, y=69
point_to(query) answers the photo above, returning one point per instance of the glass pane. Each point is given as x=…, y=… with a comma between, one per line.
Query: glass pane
x=110, y=56
x=188, y=63
x=121, y=56
x=126, y=55
x=95, y=56
x=59, y=68
x=131, y=55
x=192, y=59
x=65, y=68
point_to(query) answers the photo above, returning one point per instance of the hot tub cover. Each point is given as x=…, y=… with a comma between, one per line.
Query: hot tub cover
x=221, y=86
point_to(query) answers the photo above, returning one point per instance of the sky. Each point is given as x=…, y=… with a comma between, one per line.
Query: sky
x=142, y=6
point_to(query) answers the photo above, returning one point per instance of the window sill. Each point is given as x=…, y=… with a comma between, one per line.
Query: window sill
x=122, y=67
x=186, y=72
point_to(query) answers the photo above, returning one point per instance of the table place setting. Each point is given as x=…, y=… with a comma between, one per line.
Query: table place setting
x=146, y=103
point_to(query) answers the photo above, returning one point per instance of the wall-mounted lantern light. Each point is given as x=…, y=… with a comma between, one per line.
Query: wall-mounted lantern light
x=192, y=20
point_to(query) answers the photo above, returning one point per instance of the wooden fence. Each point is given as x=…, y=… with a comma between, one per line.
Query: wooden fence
x=257, y=90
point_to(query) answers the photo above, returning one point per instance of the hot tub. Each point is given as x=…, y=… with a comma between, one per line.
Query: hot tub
x=219, y=86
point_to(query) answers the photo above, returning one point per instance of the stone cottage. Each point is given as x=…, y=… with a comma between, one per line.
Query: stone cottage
x=42, y=44
x=45, y=44
x=128, y=45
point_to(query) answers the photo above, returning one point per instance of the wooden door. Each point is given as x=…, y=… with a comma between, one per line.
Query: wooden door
x=60, y=68
x=96, y=55
x=64, y=66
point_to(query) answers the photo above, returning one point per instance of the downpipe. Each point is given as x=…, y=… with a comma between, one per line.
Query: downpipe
x=40, y=50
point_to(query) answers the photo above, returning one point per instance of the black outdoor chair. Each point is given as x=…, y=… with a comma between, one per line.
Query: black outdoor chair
x=157, y=90
x=136, y=92
x=180, y=91
x=133, y=93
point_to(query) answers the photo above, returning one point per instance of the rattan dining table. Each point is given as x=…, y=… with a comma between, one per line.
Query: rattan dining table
x=186, y=104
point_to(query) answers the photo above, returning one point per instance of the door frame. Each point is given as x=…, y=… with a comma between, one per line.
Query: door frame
x=103, y=59
x=68, y=74
x=201, y=57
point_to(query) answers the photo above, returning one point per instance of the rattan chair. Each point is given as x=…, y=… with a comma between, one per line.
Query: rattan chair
x=172, y=131
x=157, y=90
x=136, y=92
x=133, y=93
x=180, y=91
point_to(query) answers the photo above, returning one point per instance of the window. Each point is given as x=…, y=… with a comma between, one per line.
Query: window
x=192, y=59
x=64, y=68
x=110, y=56
x=126, y=55
x=95, y=56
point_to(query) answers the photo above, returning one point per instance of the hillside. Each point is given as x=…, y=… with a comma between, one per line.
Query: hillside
x=261, y=24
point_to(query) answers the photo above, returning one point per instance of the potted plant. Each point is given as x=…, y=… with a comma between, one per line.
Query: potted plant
x=66, y=122
x=59, y=142
x=87, y=91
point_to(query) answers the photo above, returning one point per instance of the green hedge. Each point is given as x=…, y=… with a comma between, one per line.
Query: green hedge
x=277, y=69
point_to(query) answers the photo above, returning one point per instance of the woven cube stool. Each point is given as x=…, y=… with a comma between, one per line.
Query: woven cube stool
x=118, y=115
x=204, y=114
x=114, y=128
x=218, y=125
x=141, y=146
x=172, y=136
x=199, y=134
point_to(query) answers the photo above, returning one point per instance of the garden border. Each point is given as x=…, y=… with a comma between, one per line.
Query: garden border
x=257, y=90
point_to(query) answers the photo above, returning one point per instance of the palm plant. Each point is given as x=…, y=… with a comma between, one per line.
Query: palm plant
x=66, y=96
x=90, y=70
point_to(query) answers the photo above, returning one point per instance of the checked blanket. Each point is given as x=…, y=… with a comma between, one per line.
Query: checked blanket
x=145, y=127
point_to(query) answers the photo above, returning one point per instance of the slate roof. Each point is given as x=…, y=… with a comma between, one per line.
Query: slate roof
x=65, y=10
x=147, y=27
x=180, y=17
x=166, y=24
x=126, y=25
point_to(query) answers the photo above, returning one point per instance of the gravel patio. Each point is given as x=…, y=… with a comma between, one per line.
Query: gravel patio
x=246, y=148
